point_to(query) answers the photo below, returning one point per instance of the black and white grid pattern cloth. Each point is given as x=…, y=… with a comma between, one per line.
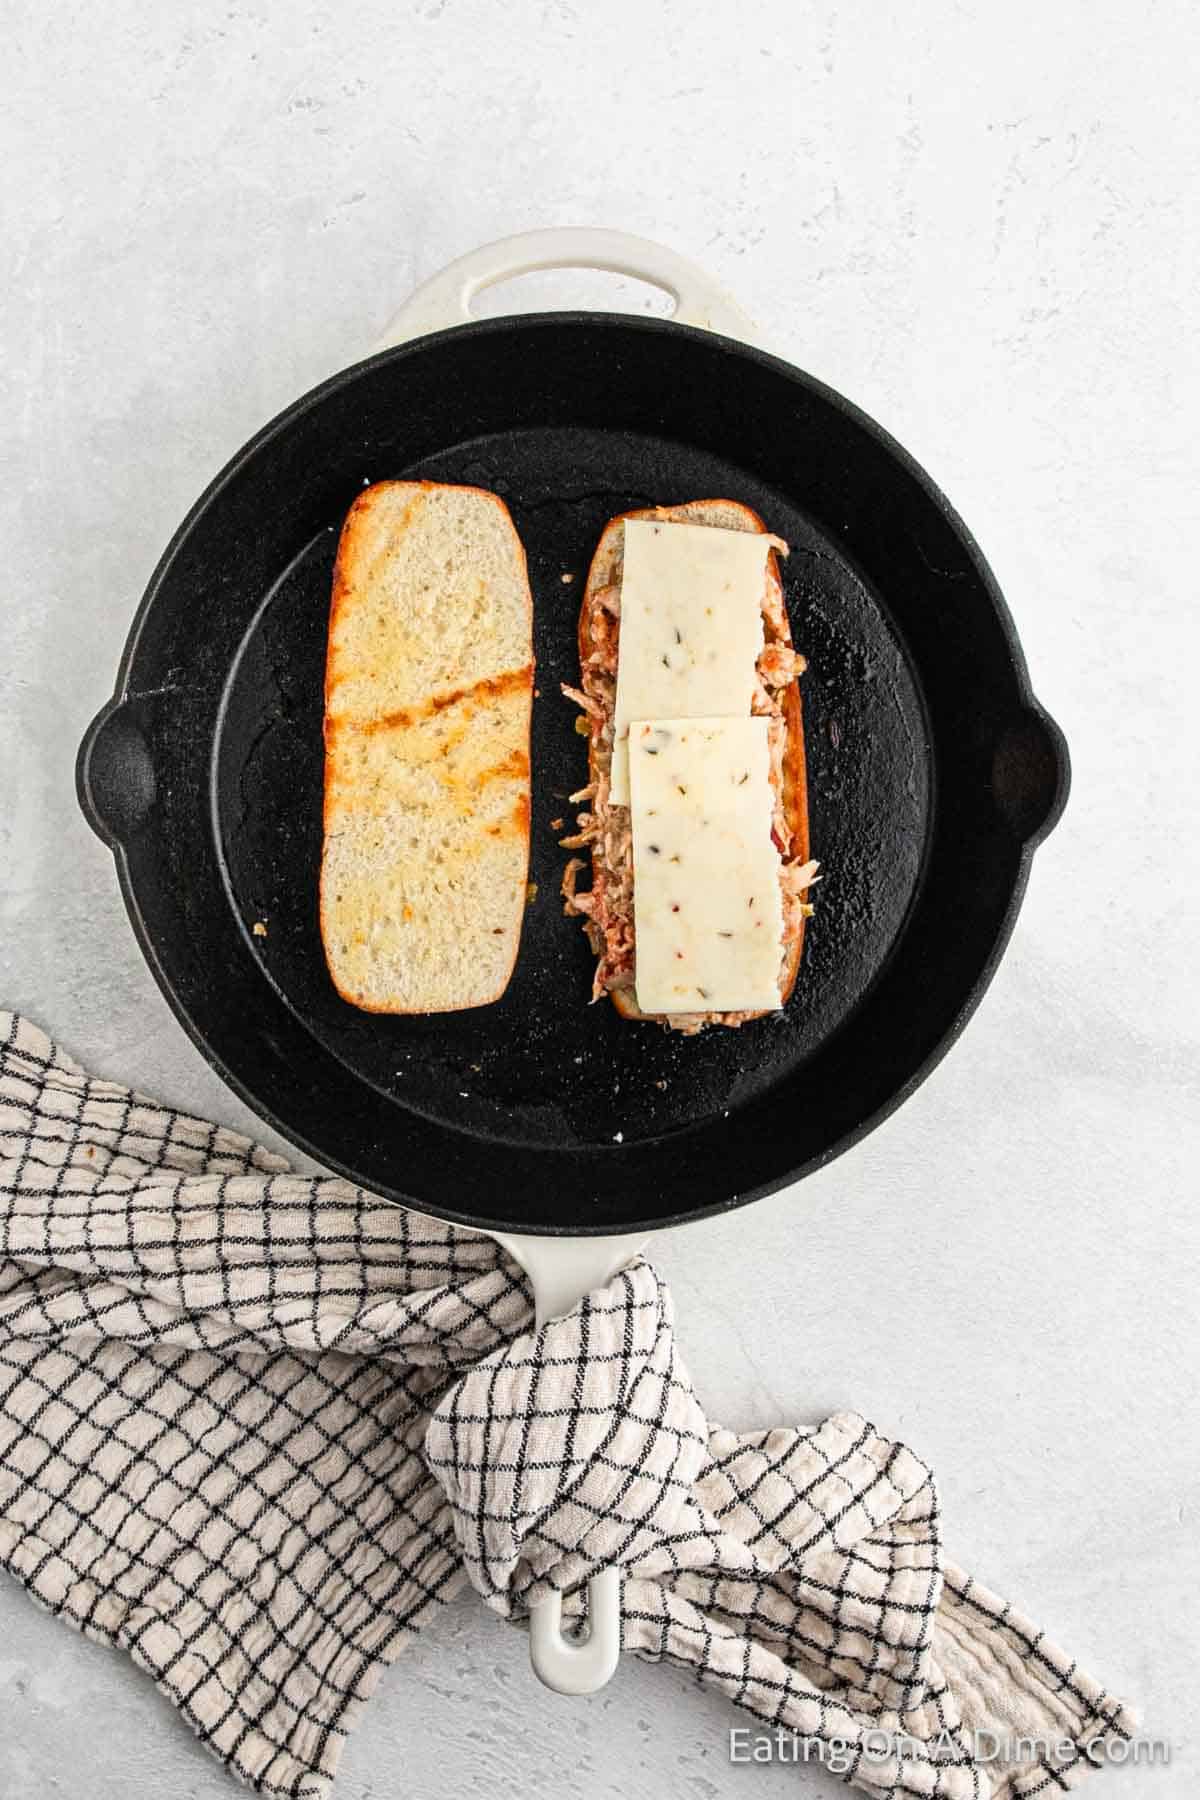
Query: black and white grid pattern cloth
x=254, y=1427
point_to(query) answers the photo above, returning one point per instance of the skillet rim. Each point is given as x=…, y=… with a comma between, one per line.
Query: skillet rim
x=498, y=327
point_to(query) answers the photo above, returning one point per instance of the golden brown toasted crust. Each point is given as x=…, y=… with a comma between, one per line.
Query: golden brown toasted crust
x=511, y=683
x=795, y=778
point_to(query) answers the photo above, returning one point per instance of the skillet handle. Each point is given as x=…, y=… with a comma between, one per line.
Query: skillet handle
x=446, y=299
x=561, y=1271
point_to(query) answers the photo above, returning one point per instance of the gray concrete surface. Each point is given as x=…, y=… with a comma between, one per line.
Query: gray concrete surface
x=980, y=222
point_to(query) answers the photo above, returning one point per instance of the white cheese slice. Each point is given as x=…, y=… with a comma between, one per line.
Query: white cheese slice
x=691, y=627
x=708, y=910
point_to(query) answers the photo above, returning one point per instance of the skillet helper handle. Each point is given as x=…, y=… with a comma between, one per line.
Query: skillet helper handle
x=1031, y=773
x=561, y=1271
x=446, y=298
x=114, y=771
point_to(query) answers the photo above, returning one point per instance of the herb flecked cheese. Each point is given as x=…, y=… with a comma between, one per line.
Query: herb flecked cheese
x=691, y=627
x=705, y=869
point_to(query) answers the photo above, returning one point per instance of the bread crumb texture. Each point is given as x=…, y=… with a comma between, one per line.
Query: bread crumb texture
x=429, y=686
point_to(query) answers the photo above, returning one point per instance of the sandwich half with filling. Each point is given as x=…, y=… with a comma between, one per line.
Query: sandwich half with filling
x=695, y=809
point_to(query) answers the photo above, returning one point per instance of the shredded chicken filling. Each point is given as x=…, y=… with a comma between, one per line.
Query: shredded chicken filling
x=604, y=829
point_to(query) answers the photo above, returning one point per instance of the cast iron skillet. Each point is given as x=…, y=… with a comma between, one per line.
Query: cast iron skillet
x=933, y=773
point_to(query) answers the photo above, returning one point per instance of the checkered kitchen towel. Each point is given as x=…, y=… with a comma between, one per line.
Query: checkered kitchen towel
x=254, y=1427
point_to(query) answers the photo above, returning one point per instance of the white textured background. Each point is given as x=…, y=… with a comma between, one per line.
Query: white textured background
x=979, y=221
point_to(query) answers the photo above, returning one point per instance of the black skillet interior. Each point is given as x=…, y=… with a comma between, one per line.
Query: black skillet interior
x=930, y=772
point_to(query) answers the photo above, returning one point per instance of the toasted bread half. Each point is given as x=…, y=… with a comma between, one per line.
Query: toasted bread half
x=428, y=697
x=598, y=627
